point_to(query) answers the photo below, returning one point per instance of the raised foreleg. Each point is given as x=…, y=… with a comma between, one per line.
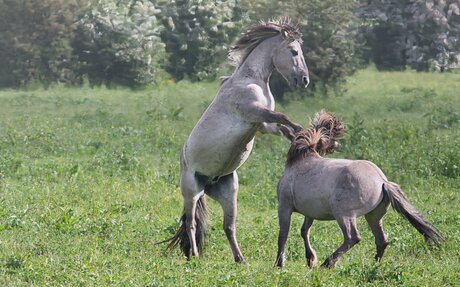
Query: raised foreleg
x=256, y=112
x=277, y=129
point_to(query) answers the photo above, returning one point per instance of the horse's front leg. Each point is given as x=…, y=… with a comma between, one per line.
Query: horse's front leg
x=225, y=191
x=277, y=129
x=255, y=112
x=284, y=218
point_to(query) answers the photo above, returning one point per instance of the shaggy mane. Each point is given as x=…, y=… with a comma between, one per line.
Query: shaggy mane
x=320, y=138
x=260, y=32
x=332, y=126
x=306, y=142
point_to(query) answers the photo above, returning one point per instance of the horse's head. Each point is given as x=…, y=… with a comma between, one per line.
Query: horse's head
x=289, y=61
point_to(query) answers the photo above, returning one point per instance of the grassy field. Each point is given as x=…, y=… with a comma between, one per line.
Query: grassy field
x=89, y=184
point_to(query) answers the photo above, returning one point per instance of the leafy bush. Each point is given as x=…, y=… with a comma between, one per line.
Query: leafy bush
x=420, y=34
x=118, y=43
x=35, y=41
x=197, y=35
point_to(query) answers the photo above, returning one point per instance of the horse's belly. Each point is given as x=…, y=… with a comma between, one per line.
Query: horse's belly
x=315, y=209
x=321, y=204
x=221, y=153
x=220, y=162
x=312, y=202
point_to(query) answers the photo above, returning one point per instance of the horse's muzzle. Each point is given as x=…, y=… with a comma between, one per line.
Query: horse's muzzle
x=301, y=81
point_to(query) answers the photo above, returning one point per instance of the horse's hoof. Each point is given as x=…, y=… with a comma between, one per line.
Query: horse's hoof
x=328, y=263
x=311, y=262
x=240, y=260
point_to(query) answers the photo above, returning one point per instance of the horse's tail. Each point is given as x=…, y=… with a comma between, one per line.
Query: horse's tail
x=400, y=203
x=181, y=237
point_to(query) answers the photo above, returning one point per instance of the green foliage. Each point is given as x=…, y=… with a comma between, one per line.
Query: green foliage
x=424, y=160
x=117, y=43
x=133, y=42
x=330, y=45
x=197, y=35
x=106, y=42
x=35, y=41
x=420, y=34
x=89, y=182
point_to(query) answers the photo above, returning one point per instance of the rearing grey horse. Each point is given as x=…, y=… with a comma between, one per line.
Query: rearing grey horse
x=223, y=138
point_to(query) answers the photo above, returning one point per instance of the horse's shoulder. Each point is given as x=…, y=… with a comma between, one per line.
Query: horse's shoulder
x=248, y=89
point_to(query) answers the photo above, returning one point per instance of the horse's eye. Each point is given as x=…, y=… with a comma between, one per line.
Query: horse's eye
x=294, y=53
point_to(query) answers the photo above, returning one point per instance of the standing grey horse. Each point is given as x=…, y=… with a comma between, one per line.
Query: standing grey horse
x=327, y=189
x=223, y=138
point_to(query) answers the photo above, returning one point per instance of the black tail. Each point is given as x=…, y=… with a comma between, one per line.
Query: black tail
x=181, y=237
x=400, y=203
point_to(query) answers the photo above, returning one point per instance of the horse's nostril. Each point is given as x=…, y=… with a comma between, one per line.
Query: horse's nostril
x=305, y=80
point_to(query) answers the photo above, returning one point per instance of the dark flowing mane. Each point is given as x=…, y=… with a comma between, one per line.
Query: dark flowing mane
x=320, y=138
x=258, y=33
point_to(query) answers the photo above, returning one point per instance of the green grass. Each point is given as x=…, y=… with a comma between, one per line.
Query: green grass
x=89, y=184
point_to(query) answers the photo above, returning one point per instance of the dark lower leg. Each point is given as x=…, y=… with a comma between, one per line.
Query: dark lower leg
x=284, y=217
x=374, y=219
x=351, y=238
x=310, y=253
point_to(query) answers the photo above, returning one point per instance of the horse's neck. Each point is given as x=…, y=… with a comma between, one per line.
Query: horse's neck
x=258, y=66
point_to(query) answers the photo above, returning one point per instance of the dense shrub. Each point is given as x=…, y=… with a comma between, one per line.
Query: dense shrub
x=35, y=40
x=420, y=34
x=197, y=35
x=117, y=43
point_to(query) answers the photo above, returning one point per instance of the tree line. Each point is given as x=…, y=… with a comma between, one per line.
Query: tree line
x=140, y=42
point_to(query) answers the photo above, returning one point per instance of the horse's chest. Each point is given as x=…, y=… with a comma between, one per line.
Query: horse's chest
x=269, y=101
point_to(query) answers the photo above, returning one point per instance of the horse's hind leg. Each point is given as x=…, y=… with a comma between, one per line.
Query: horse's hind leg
x=351, y=238
x=191, y=191
x=310, y=253
x=374, y=219
x=225, y=191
